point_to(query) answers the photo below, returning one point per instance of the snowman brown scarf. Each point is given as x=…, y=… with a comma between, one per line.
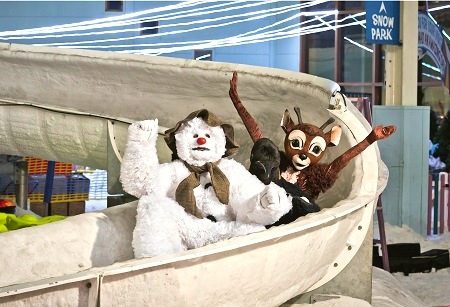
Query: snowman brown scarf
x=184, y=193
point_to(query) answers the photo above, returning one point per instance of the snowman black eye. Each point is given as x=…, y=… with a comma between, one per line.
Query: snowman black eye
x=207, y=135
x=195, y=136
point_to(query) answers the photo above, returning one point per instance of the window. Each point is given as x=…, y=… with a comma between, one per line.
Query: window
x=149, y=27
x=320, y=52
x=203, y=55
x=356, y=55
x=114, y=6
x=341, y=54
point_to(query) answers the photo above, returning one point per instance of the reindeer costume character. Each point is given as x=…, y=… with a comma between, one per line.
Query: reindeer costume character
x=305, y=145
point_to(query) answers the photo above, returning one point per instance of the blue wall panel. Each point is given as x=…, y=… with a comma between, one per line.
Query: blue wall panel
x=282, y=53
x=406, y=156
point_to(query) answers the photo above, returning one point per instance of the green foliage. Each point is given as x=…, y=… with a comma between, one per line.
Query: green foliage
x=433, y=126
x=443, y=139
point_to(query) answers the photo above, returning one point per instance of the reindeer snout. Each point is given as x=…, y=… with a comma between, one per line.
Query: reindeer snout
x=303, y=157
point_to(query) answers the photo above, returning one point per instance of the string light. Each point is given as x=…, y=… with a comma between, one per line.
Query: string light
x=219, y=42
x=446, y=35
x=69, y=26
x=431, y=76
x=439, y=8
x=237, y=36
x=193, y=12
x=233, y=41
x=259, y=15
x=431, y=67
x=358, y=44
x=261, y=34
x=203, y=57
x=346, y=38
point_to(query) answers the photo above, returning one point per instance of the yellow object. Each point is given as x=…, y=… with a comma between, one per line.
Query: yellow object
x=29, y=218
x=59, y=198
x=3, y=218
x=13, y=222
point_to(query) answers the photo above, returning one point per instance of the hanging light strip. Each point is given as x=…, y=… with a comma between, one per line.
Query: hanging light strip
x=431, y=76
x=348, y=39
x=237, y=36
x=187, y=30
x=204, y=41
x=431, y=67
x=204, y=10
x=259, y=16
x=439, y=8
x=232, y=41
x=138, y=21
x=66, y=27
x=358, y=44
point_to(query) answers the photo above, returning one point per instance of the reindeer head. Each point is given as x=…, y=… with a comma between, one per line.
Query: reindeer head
x=305, y=144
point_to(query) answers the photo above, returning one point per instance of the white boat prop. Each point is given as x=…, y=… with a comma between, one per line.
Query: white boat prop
x=68, y=105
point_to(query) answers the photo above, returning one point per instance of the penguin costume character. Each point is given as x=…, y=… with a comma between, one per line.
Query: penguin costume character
x=202, y=196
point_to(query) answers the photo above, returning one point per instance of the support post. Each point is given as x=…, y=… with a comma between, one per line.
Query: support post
x=22, y=184
x=49, y=187
x=401, y=61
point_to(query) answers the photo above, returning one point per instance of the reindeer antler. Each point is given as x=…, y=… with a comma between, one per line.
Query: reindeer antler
x=299, y=115
x=329, y=121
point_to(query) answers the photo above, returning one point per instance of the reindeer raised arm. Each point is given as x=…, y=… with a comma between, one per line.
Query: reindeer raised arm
x=305, y=145
x=250, y=123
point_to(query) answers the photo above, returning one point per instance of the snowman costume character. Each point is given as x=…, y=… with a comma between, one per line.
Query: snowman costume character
x=200, y=197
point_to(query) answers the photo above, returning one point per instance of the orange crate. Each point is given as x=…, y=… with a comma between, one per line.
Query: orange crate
x=39, y=166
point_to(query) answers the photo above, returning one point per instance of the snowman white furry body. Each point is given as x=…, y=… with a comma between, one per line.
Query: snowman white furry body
x=162, y=225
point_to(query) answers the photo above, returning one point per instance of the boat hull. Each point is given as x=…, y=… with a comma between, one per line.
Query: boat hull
x=74, y=106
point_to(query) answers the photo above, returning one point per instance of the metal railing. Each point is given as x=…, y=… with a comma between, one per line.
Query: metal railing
x=438, y=203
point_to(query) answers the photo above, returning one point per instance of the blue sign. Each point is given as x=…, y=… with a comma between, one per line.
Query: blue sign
x=383, y=22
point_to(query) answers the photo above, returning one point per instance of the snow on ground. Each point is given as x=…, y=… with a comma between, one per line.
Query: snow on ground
x=396, y=290
x=430, y=288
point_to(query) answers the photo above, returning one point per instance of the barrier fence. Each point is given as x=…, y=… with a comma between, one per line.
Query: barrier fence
x=438, y=203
